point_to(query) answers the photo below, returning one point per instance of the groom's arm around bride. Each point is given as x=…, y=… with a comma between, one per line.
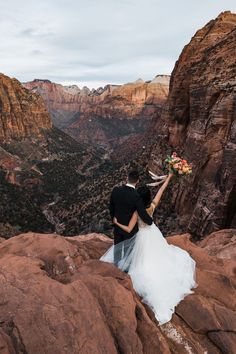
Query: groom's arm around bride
x=138, y=203
x=124, y=201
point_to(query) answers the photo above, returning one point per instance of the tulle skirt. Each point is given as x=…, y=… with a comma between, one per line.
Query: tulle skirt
x=162, y=274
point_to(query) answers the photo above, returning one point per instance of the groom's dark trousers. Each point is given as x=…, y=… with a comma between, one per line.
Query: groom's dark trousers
x=124, y=202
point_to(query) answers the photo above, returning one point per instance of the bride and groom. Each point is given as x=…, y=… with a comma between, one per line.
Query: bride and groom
x=162, y=274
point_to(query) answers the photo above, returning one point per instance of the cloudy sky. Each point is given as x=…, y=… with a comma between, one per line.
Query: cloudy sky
x=95, y=42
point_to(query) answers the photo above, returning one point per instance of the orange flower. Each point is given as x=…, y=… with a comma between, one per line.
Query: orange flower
x=176, y=165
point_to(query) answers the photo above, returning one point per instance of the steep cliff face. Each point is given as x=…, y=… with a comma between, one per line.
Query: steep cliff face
x=131, y=100
x=58, y=97
x=106, y=116
x=200, y=122
x=22, y=113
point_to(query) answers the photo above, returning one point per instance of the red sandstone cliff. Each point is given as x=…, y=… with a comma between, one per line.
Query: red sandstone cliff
x=200, y=122
x=113, y=100
x=106, y=116
x=22, y=113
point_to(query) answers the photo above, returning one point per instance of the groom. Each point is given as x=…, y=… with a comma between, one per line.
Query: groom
x=124, y=201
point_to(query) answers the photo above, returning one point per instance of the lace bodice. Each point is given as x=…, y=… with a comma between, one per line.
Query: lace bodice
x=150, y=211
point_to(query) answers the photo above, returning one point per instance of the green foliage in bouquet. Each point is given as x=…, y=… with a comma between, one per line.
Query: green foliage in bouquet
x=177, y=165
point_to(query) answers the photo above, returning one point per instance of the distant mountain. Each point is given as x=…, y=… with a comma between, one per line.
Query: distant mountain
x=104, y=117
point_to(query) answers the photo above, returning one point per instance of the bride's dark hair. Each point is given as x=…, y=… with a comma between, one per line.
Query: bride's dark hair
x=145, y=194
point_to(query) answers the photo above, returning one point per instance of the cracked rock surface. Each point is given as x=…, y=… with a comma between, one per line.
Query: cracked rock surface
x=57, y=297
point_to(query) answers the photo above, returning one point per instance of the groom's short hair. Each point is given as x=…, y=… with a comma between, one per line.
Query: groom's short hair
x=133, y=176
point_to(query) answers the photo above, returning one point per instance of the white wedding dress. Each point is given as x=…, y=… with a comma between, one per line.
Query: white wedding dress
x=162, y=274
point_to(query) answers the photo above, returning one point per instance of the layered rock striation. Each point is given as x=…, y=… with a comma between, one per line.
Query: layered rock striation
x=125, y=101
x=22, y=113
x=199, y=122
x=106, y=116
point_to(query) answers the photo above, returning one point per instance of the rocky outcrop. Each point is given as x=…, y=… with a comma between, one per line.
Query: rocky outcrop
x=57, y=297
x=199, y=122
x=22, y=113
x=221, y=244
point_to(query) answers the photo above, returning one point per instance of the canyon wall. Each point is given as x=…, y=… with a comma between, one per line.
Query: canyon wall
x=199, y=122
x=105, y=117
x=126, y=101
x=22, y=113
x=39, y=164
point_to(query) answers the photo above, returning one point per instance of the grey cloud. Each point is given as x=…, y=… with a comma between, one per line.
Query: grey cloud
x=105, y=41
x=35, y=32
x=27, y=32
x=36, y=52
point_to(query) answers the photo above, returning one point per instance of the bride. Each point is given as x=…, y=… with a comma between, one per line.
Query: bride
x=162, y=274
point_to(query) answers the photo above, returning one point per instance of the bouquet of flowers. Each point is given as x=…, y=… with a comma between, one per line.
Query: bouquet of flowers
x=175, y=164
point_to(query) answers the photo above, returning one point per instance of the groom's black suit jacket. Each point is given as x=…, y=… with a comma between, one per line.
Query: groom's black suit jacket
x=124, y=202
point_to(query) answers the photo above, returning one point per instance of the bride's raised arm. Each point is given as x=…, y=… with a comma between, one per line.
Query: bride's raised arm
x=158, y=196
x=131, y=225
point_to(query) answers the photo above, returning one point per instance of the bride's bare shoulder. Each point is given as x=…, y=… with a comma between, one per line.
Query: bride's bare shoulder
x=151, y=209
